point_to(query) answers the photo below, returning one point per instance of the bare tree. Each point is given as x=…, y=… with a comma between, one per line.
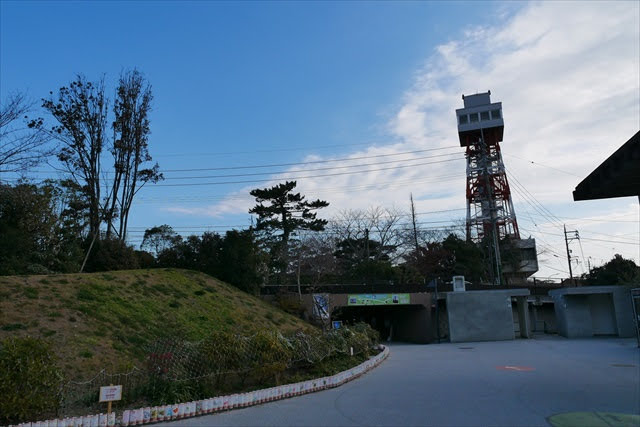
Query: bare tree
x=81, y=112
x=130, y=147
x=377, y=224
x=384, y=226
x=23, y=142
x=314, y=254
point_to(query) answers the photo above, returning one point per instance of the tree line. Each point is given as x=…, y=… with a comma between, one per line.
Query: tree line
x=290, y=245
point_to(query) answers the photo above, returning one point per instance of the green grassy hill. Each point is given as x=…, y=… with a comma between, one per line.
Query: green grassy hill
x=104, y=320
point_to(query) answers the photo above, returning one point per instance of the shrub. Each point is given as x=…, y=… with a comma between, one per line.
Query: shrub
x=336, y=341
x=169, y=362
x=359, y=341
x=365, y=328
x=222, y=351
x=272, y=355
x=308, y=348
x=30, y=380
x=145, y=259
x=111, y=254
x=291, y=305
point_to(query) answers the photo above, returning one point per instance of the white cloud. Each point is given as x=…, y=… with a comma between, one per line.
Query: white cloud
x=568, y=77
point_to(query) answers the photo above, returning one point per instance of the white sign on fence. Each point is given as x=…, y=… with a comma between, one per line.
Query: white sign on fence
x=110, y=393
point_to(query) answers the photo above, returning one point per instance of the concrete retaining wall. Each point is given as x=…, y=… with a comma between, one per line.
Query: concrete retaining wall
x=594, y=310
x=483, y=315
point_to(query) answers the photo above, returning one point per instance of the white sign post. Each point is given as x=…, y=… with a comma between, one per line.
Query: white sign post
x=109, y=394
x=458, y=284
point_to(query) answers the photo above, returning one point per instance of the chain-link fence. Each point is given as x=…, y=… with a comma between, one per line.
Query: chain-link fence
x=176, y=370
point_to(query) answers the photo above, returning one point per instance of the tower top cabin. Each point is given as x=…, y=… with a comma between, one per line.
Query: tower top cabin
x=480, y=118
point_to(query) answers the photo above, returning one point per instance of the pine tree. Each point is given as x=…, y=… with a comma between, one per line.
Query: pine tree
x=281, y=213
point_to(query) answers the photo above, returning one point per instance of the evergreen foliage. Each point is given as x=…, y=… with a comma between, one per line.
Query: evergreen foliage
x=30, y=380
x=618, y=271
x=281, y=213
x=40, y=229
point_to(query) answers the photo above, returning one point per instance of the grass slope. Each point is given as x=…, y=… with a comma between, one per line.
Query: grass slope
x=103, y=320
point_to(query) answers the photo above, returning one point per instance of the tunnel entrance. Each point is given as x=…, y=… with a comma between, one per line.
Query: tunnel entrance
x=404, y=323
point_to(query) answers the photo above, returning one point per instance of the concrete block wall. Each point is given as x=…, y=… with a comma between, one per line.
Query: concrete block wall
x=624, y=312
x=482, y=315
x=593, y=310
x=573, y=316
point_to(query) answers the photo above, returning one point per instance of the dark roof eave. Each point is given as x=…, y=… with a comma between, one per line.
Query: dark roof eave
x=617, y=176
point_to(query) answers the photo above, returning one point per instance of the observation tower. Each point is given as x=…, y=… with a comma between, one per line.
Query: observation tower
x=491, y=219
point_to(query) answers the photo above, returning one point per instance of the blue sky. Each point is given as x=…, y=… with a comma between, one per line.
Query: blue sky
x=302, y=74
x=254, y=83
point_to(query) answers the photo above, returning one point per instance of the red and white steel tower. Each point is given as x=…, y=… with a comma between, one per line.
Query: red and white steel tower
x=490, y=214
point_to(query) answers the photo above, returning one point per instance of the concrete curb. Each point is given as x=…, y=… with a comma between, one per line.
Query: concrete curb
x=177, y=411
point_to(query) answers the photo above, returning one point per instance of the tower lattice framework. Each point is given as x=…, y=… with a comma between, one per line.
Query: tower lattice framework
x=489, y=203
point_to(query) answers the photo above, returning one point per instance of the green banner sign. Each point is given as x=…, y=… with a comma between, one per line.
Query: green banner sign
x=378, y=299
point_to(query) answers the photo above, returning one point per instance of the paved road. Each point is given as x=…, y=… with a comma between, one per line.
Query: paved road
x=506, y=383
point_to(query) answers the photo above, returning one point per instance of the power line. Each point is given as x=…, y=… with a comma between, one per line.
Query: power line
x=521, y=191
x=557, y=269
x=592, y=239
x=404, y=228
x=611, y=241
x=604, y=234
x=518, y=183
x=277, y=150
x=542, y=209
x=205, y=226
x=526, y=199
x=301, y=177
x=334, y=190
x=546, y=166
x=310, y=162
x=311, y=170
x=332, y=220
x=600, y=220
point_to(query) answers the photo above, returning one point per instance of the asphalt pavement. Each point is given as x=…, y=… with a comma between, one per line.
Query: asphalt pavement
x=505, y=383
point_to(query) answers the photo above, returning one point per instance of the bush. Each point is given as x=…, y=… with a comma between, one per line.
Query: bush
x=145, y=259
x=359, y=341
x=30, y=380
x=336, y=341
x=290, y=304
x=365, y=328
x=178, y=370
x=111, y=254
x=272, y=355
x=168, y=363
x=222, y=351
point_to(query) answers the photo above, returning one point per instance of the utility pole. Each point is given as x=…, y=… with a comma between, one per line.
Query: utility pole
x=567, y=239
x=437, y=312
x=366, y=234
x=413, y=220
